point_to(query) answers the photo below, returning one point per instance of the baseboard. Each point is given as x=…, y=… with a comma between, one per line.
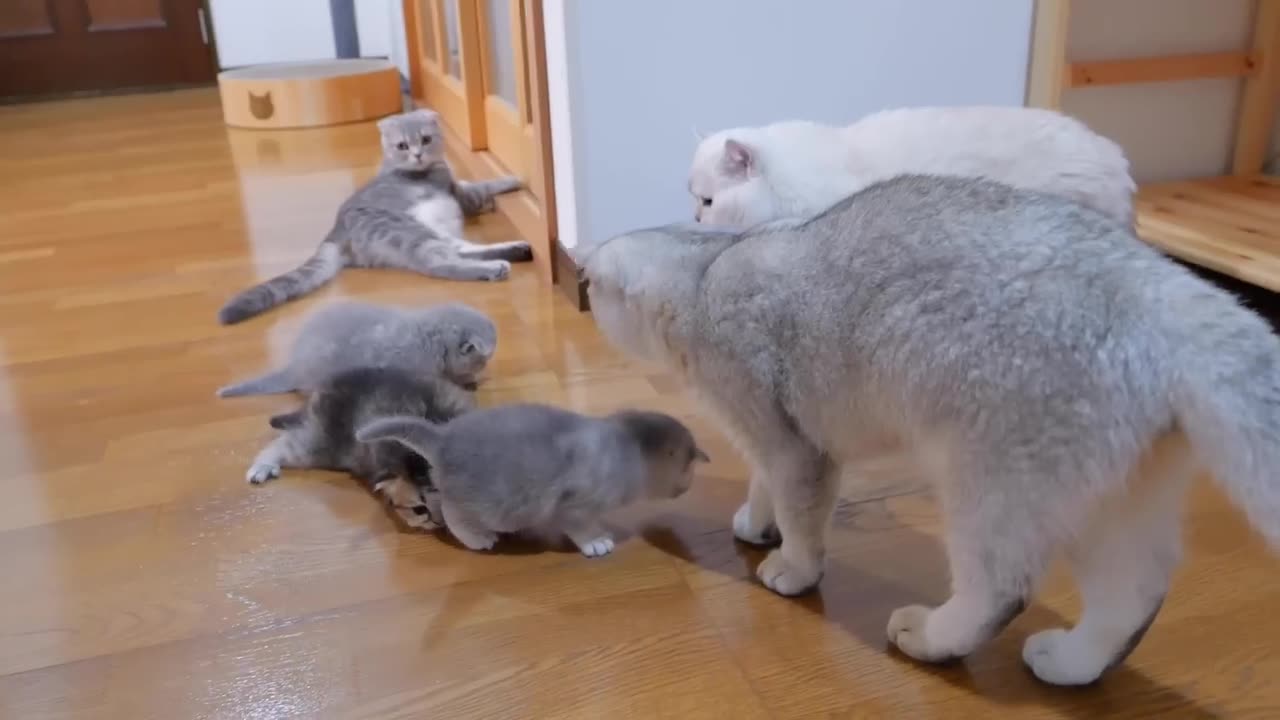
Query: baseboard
x=569, y=279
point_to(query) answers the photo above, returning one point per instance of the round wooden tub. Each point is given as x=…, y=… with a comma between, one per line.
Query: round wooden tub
x=309, y=94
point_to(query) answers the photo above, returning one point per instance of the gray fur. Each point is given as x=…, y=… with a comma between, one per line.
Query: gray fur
x=451, y=340
x=533, y=467
x=1060, y=381
x=322, y=434
x=409, y=216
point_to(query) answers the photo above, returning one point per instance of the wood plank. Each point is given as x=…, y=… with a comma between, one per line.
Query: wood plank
x=1159, y=69
x=1261, y=92
x=1048, y=53
x=1229, y=225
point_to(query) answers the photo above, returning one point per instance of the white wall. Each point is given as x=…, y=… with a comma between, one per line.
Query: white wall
x=629, y=82
x=248, y=32
x=1169, y=130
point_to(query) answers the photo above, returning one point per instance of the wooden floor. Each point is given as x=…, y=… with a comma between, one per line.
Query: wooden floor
x=140, y=577
x=1230, y=225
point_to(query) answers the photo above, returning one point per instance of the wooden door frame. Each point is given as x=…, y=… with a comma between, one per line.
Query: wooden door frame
x=533, y=217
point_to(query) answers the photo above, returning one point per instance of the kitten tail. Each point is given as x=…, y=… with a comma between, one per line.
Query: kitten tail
x=421, y=436
x=307, y=277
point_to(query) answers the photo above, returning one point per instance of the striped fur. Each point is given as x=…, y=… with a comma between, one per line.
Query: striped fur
x=408, y=217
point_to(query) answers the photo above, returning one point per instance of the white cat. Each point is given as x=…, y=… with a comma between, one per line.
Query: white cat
x=745, y=176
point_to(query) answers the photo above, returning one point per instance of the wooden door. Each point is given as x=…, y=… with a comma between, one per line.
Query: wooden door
x=52, y=47
x=481, y=65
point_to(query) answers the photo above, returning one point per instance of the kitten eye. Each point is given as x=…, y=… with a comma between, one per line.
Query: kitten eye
x=426, y=139
x=402, y=145
x=706, y=202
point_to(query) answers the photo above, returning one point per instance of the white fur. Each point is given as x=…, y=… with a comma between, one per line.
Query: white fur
x=800, y=168
x=440, y=214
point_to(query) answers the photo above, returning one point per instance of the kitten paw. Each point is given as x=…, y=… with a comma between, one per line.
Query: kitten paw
x=597, y=547
x=501, y=269
x=743, y=529
x=908, y=629
x=261, y=472
x=507, y=184
x=1062, y=657
x=785, y=579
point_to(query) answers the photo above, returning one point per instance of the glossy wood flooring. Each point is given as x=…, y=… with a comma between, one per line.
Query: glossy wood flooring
x=140, y=577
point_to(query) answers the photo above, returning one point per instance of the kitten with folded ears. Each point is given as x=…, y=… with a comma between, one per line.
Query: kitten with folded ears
x=322, y=435
x=537, y=468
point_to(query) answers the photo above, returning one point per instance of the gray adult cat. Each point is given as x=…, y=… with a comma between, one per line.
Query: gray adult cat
x=1060, y=382
x=409, y=216
x=451, y=340
x=322, y=435
x=532, y=467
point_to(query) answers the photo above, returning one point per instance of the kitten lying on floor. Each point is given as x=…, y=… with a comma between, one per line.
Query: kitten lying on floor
x=532, y=467
x=1058, y=380
x=745, y=176
x=453, y=341
x=322, y=435
x=409, y=216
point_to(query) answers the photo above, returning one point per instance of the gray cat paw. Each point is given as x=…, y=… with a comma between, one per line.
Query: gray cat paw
x=261, y=472
x=507, y=184
x=474, y=540
x=501, y=270
x=785, y=579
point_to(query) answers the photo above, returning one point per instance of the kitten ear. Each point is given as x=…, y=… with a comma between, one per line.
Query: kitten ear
x=738, y=159
x=421, y=436
x=700, y=456
x=698, y=133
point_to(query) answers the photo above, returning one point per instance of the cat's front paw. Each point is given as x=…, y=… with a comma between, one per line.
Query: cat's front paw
x=597, y=547
x=507, y=184
x=261, y=472
x=500, y=270
x=785, y=578
x=908, y=630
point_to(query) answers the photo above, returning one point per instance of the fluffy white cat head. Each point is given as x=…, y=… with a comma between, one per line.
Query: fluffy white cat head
x=728, y=183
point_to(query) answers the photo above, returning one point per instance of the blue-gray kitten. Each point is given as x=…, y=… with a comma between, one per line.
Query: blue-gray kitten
x=453, y=341
x=409, y=216
x=532, y=467
x=322, y=434
x=1059, y=380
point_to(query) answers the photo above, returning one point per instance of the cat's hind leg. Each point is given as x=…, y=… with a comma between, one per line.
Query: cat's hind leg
x=290, y=449
x=446, y=264
x=1003, y=521
x=515, y=251
x=1122, y=563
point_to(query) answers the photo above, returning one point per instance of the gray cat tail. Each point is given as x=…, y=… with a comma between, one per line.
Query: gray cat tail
x=276, y=381
x=421, y=436
x=307, y=277
x=1227, y=399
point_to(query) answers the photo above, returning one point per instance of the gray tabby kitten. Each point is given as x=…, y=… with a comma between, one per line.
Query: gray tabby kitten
x=451, y=340
x=1060, y=381
x=322, y=435
x=408, y=216
x=532, y=467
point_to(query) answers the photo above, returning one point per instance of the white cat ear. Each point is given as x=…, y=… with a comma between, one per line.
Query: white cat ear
x=738, y=159
x=697, y=133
